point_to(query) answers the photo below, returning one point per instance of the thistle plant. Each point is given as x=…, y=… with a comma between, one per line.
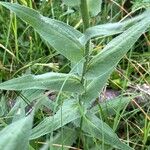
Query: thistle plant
x=82, y=85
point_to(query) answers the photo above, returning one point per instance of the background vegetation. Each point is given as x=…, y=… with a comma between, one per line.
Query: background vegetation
x=23, y=51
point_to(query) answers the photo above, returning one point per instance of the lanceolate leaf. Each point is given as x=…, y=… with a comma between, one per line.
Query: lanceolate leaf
x=94, y=7
x=69, y=137
x=110, y=106
x=110, y=28
x=140, y=4
x=59, y=35
x=94, y=88
x=100, y=130
x=27, y=96
x=70, y=111
x=53, y=81
x=16, y=135
x=116, y=49
x=71, y=2
x=104, y=63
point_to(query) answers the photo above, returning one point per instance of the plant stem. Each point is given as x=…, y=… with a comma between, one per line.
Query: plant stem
x=86, y=55
x=84, y=14
x=86, y=24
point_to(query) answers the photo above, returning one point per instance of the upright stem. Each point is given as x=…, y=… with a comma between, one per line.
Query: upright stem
x=86, y=24
x=84, y=14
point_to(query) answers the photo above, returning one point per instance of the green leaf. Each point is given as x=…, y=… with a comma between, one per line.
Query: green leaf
x=94, y=7
x=94, y=88
x=98, y=129
x=116, y=49
x=58, y=34
x=104, y=30
x=69, y=137
x=53, y=81
x=69, y=112
x=102, y=65
x=110, y=107
x=3, y=106
x=16, y=135
x=20, y=113
x=71, y=2
x=27, y=96
x=139, y=4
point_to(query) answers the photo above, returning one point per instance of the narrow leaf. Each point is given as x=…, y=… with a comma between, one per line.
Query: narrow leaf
x=16, y=135
x=94, y=7
x=58, y=34
x=53, y=81
x=70, y=112
x=100, y=130
x=108, y=29
x=71, y=2
x=102, y=65
x=116, y=49
x=94, y=88
x=110, y=107
x=69, y=137
x=140, y=4
x=27, y=96
x=3, y=106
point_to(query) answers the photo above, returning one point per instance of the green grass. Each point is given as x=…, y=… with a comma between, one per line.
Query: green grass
x=23, y=51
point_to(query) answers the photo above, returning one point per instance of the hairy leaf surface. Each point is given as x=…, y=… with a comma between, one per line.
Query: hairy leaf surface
x=70, y=112
x=116, y=49
x=110, y=28
x=110, y=107
x=94, y=7
x=16, y=135
x=53, y=81
x=59, y=35
x=71, y=2
x=100, y=130
x=102, y=65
